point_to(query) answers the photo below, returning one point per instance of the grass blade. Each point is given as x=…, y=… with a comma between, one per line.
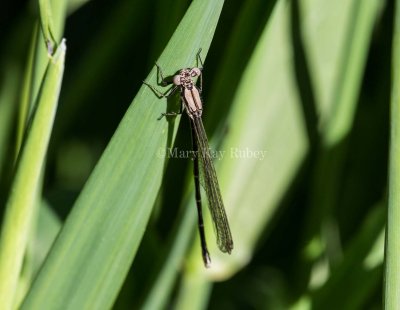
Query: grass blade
x=20, y=208
x=392, y=248
x=102, y=233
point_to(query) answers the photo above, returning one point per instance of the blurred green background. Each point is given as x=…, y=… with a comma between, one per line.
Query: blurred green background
x=306, y=82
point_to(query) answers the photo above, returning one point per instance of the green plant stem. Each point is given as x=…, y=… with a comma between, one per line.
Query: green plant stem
x=20, y=208
x=38, y=60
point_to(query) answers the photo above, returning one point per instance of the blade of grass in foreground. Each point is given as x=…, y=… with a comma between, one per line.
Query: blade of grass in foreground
x=38, y=59
x=20, y=206
x=91, y=256
x=392, y=250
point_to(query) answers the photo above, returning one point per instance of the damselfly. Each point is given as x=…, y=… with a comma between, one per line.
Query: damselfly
x=202, y=162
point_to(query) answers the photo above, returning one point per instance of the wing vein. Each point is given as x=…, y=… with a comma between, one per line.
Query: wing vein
x=215, y=204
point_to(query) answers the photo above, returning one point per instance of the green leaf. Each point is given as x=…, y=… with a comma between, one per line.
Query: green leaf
x=98, y=242
x=45, y=231
x=392, y=249
x=38, y=57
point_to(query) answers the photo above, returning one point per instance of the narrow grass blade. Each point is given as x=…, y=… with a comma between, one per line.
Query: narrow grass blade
x=21, y=203
x=39, y=57
x=392, y=249
x=43, y=233
x=90, y=259
x=26, y=93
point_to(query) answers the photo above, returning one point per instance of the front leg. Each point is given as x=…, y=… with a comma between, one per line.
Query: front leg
x=200, y=61
x=160, y=94
x=163, y=82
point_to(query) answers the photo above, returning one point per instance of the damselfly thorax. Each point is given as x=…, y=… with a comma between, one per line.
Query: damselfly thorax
x=189, y=92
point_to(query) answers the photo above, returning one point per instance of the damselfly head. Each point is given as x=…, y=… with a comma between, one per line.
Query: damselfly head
x=185, y=77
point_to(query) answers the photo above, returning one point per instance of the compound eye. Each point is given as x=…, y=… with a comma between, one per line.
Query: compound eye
x=177, y=80
x=195, y=72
